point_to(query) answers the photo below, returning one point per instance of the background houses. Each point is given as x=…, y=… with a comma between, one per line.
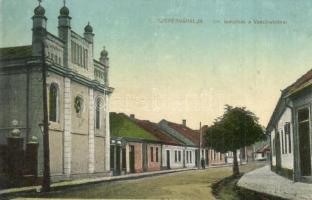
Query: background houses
x=172, y=149
x=191, y=150
x=213, y=157
x=133, y=149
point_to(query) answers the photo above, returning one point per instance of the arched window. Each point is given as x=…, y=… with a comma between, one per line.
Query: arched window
x=97, y=113
x=53, y=103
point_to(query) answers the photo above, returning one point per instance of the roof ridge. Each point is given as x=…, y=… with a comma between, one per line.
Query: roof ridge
x=16, y=46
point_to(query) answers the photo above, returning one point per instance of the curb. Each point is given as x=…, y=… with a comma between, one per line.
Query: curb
x=68, y=184
x=108, y=179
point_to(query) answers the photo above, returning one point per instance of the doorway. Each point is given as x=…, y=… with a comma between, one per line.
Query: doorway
x=118, y=159
x=278, y=151
x=123, y=165
x=304, y=142
x=131, y=159
x=168, y=159
x=196, y=157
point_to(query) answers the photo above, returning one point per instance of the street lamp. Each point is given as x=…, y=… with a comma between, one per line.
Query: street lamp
x=41, y=127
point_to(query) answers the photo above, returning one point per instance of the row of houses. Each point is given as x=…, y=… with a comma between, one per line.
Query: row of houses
x=141, y=146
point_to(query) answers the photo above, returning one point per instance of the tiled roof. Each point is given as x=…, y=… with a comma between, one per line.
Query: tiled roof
x=303, y=81
x=122, y=126
x=264, y=149
x=15, y=52
x=186, y=132
x=157, y=132
x=163, y=124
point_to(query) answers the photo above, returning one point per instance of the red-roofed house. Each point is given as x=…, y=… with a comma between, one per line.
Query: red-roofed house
x=195, y=156
x=172, y=149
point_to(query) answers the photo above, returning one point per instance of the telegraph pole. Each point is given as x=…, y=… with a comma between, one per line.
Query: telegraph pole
x=46, y=149
x=200, y=145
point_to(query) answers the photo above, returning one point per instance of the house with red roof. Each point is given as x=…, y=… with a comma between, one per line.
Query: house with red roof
x=172, y=149
x=133, y=149
x=289, y=130
x=195, y=153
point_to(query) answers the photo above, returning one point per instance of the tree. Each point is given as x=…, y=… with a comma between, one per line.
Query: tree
x=237, y=128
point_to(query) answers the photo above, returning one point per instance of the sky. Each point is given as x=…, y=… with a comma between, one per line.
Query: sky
x=174, y=71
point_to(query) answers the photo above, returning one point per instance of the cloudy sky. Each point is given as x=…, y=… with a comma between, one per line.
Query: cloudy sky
x=167, y=69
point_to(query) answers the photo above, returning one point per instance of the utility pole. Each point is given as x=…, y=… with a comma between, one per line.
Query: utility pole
x=200, y=145
x=46, y=150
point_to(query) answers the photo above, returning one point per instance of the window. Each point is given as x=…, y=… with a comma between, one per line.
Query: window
x=156, y=154
x=85, y=58
x=273, y=145
x=175, y=156
x=53, y=102
x=285, y=141
x=287, y=132
x=282, y=136
x=187, y=157
x=72, y=51
x=190, y=157
x=79, y=55
x=179, y=156
x=152, y=154
x=78, y=104
x=98, y=113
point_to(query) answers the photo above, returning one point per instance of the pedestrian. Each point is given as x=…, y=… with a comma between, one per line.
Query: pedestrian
x=203, y=163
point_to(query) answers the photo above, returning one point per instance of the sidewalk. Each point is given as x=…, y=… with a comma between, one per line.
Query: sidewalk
x=263, y=180
x=77, y=182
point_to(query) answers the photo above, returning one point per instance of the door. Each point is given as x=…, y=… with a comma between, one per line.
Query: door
x=196, y=157
x=118, y=160
x=278, y=151
x=145, y=157
x=304, y=142
x=131, y=159
x=168, y=159
x=112, y=156
x=206, y=156
x=123, y=165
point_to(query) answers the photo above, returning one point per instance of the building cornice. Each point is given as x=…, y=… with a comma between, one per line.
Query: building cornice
x=20, y=64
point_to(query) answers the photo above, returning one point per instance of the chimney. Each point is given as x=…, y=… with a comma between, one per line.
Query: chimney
x=132, y=116
x=184, y=122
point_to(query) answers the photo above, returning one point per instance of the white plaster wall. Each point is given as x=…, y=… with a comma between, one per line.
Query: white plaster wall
x=287, y=158
x=272, y=145
x=190, y=164
x=172, y=149
x=230, y=158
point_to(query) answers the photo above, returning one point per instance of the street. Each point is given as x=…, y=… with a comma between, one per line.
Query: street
x=183, y=185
